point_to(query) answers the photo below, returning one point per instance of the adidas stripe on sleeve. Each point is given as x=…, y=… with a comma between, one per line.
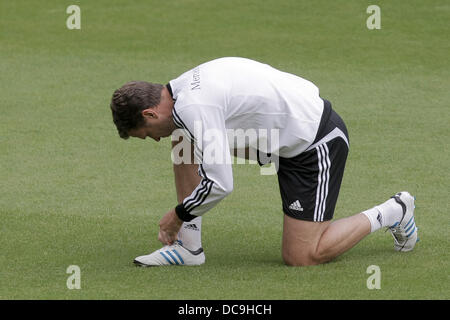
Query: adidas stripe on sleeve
x=205, y=126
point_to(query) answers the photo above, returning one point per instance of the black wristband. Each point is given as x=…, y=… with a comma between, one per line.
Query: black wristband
x=181, y=212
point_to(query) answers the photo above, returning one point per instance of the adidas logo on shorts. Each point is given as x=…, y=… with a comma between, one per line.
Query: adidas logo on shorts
x=296, y=206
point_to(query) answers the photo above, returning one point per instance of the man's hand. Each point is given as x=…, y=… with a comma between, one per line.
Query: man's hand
x=169, y=225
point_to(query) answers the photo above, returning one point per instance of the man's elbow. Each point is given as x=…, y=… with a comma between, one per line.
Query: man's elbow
x=226, y=189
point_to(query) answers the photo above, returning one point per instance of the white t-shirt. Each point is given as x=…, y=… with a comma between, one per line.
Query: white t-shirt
x=279, y=113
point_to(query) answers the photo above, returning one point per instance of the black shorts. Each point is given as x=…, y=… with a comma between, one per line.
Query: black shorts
x=310, y=182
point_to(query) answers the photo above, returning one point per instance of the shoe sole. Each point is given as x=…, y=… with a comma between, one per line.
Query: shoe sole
x=140, y=264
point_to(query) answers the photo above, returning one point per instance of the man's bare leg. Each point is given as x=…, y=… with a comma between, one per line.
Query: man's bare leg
x=309, y=243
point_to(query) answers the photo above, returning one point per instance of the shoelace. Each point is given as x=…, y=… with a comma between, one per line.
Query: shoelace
x=175, y=245
x=397, y=233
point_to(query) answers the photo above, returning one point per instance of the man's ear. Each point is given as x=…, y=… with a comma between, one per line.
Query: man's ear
x=150, y=113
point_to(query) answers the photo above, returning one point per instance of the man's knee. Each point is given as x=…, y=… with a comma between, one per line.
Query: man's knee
x=301, y=242
x=310, y=258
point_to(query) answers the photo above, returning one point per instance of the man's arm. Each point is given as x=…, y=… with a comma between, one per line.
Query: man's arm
x=215, y=170
x=186, y=172
x=205, y=125
x=186, y=179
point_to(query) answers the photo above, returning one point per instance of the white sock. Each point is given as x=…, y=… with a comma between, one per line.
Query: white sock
x=374, y=217
x=384, y=215
x=190, y=234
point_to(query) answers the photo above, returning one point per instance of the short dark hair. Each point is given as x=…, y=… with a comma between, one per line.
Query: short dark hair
x=128, y=102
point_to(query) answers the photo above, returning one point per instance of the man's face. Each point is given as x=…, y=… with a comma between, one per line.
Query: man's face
x=158, y=121
x=147, y=130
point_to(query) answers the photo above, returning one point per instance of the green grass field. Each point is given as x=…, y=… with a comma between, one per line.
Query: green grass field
x=74, y=193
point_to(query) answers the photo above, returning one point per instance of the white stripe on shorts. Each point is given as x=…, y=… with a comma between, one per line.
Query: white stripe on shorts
x=323, y=177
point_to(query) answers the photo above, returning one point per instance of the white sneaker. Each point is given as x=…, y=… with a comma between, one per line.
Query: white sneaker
x=175, y=254
x=405, y=231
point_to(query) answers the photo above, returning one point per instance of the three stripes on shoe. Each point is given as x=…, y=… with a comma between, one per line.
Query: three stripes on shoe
x=170, y=258
x=410, y=227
